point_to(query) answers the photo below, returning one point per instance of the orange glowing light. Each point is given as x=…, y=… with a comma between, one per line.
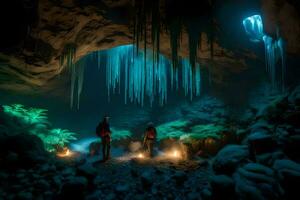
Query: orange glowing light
x=175, y=153
x=140, y=155
x=65, y=153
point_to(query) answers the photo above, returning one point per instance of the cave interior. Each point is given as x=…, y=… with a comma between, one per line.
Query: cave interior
x=150, y=99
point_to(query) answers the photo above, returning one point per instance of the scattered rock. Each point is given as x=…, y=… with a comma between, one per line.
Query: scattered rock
x=206, y=194
x=229, y=158
x=294, y=97
x=260, y=142
x=74, y=189
x=22, y=151
x=291, y=147
x=261, y=125
x=268, y=159
x=147, y=179
x=42, y=185
x=222, y=186
x=273, y=111
x=194, y=196
x=24, y=196
x=122, y=188
x=95, y=196
x=111, y=196
x=87, y=170
x=255, y=181
x=68, y=171
x=57, y=181
x=180, y=177
x=46, y=168
x=289, y=175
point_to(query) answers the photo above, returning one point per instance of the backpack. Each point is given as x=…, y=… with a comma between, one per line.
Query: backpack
x=101, y=132
x=151, y=133
x=104, y=133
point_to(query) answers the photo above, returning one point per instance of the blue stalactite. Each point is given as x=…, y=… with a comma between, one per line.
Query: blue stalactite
x=274, y=50
x=254, y=28
x=142, y=75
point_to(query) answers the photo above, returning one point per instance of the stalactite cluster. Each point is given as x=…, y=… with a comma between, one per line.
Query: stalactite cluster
x=274, y=50
x=141, y=75
x=67, y=59
x=68, y=56
x=174, y=16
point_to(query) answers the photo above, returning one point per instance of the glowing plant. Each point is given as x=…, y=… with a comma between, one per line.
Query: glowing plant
x=30, y=115
x=199, y=132
x=19, y=119
x=63, y=135
x=120, y=134
x=174, y=129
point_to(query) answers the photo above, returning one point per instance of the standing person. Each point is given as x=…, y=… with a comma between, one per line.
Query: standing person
x=103, y=131
x=149, y=138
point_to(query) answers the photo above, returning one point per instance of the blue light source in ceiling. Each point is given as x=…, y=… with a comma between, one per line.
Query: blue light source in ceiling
x=254, y=28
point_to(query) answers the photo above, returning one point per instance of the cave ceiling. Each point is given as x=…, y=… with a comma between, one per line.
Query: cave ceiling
x=34, y=39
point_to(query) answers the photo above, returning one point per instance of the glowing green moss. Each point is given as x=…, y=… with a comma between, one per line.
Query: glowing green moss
x=183, y=130
x=173, y=129
x=199, y=132
x=120, y=134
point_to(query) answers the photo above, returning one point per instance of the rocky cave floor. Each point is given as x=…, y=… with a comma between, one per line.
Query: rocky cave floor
x=264, y=165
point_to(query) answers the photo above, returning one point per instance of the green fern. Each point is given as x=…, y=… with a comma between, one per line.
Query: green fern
x=19, y=119
x=30, y=115
x=120, y=134
x=199, y=132
x=173, y=129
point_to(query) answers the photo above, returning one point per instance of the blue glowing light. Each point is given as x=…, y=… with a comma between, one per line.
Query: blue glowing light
x=141, y=75
x=254, y=27
x=274, y=49
x=83, y=144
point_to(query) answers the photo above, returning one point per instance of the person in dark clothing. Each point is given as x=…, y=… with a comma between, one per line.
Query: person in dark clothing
x=103, y=131
x=149, y=138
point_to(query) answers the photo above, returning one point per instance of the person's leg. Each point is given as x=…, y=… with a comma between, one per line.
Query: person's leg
x=103, y=148
x=108, y=150
x=151, y=148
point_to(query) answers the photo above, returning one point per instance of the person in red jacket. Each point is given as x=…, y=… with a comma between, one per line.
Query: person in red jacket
x=149, y=138
x=103, y=131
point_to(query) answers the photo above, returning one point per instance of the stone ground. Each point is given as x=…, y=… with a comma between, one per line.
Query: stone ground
x=120, y=178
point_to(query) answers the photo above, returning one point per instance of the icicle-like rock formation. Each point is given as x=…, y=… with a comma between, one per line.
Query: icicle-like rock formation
x=254, y=28
x=274, y=50
x=142, y=75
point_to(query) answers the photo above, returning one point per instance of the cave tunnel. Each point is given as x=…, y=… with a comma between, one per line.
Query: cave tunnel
x=158, y=99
